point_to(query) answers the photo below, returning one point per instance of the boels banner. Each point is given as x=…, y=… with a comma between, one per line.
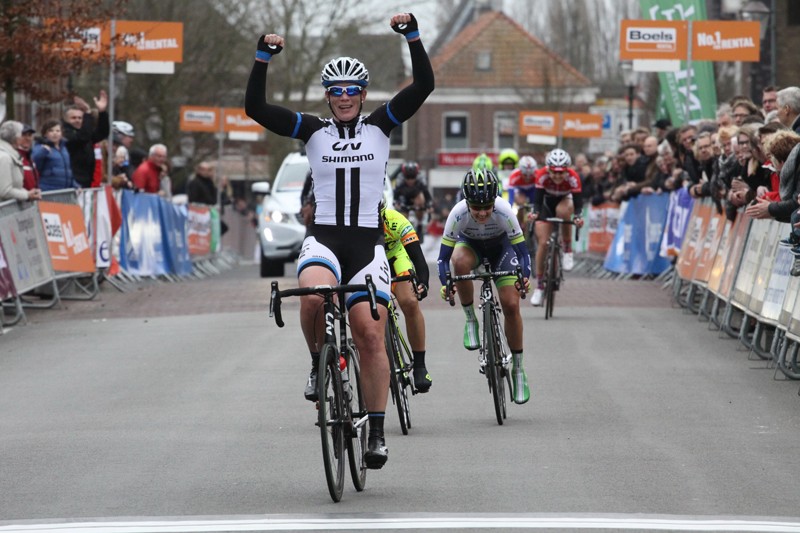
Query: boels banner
x=67, y=241
x=712, y=40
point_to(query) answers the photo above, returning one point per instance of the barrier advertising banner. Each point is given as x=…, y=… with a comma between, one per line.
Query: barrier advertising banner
x=748, y=266
x=636, y=243
x=603, y=221
x=22, y=235
x=678, y=212
x=7, y=289
x=779, y=278
x=721, y=257
x=766, y=263
x=141, y=243
x=199, y=230
x=738, y=238
x=173, y=226
x=692, y=245
x=66, y=237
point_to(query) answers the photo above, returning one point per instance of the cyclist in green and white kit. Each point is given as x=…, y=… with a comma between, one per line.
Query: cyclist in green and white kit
x=482, y=225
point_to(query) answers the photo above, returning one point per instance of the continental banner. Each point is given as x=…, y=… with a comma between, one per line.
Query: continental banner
x=700, y=92
x=66, y=237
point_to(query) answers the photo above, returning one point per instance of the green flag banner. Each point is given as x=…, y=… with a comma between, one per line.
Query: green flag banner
x=692, y=87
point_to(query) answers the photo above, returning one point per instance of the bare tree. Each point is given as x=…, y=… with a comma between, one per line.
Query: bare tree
x=42, y=42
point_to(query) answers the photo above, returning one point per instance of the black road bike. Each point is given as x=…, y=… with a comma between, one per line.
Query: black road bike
x=342, y=411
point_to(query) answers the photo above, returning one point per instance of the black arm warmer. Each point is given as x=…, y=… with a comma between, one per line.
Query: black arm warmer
x=275, y=118
x=409, y=99
x=414, y=251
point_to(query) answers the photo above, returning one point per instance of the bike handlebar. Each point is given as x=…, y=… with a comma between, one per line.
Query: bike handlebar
x=567, y=222
x=322, y=290
x=483, y=276
x=412, y=277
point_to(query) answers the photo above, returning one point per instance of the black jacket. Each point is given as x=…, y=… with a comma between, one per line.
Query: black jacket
x=80, y=145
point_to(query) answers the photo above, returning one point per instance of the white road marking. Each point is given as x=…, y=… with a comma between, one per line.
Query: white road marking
x=382, y=522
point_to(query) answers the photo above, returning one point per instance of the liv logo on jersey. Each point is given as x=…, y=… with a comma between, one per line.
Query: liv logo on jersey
x=341, y=147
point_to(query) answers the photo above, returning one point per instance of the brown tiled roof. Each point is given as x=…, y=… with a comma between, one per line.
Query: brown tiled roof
x=518, y=59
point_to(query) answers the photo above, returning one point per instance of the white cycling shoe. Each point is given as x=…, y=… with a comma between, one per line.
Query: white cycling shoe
x=536, y=297
x=569, y=262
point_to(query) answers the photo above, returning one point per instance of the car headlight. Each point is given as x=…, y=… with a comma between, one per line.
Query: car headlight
x=275, y=216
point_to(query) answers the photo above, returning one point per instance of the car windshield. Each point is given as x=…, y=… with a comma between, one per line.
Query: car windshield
x=292, y=177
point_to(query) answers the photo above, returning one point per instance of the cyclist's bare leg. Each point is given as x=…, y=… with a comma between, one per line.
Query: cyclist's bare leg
x=464, y=261
x=509, y=301
x=415, y=322
x=564, y=210
x=368, y=334
x=542, y=230
x=312, y=319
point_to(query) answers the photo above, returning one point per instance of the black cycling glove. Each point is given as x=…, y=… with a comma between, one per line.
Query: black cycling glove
x=409, y=29
x=265, y=51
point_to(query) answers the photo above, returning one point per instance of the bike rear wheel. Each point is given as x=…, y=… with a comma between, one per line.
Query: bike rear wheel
x=396, y=381
x=331, y=417
x=357, y=445
x=493, y=364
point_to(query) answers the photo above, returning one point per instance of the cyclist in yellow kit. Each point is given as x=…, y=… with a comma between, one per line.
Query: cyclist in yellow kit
x=404, y=252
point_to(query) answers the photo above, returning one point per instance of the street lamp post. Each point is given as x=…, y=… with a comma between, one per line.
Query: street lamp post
x=630, y=76
x=757, y=11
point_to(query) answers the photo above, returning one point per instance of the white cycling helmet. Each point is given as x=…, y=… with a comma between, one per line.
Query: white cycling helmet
x=344, y=69
x=558, y=160
x=527, y=165
x=123, y=128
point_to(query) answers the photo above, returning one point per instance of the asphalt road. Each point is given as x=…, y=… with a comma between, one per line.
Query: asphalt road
x=178, y=407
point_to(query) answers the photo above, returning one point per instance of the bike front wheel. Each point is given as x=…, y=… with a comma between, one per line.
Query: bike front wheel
x=357, y=445
x=331, y=418
x=493, y=364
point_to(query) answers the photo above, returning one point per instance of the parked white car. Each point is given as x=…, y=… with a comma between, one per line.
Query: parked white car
x=280, y=226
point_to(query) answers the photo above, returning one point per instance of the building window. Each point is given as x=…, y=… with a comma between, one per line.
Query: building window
x=793, y=15
x=483, y=61
x=397, y=138
x=505, y=130
x=455, y=131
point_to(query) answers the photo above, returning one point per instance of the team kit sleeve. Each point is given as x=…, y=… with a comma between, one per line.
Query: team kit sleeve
x=406, y=102
x=449, y=238
x=515, y=236
x=275, y=118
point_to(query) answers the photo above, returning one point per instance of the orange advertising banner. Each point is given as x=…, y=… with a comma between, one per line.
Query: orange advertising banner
x=581, y=125
x=197, y=118
x=653, y=39
x=718, y=40
x=66, y=237
x=143, y=40
x=136, y=40
x=538, y=123
x=237, y=120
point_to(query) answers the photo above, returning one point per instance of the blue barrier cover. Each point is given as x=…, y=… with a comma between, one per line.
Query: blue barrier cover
x=636, y=243
x=141, y=244
x=680, y=208
x=173, y=228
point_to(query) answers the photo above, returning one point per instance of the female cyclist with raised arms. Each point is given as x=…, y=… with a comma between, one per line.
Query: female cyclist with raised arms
x=348, y=154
